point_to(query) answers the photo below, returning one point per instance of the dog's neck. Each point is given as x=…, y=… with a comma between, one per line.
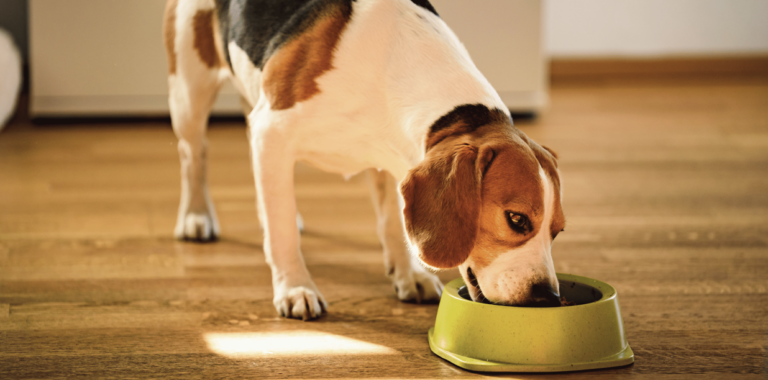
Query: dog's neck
x=428, y=74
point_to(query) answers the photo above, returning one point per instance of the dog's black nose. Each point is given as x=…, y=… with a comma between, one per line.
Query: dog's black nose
x=542, y=295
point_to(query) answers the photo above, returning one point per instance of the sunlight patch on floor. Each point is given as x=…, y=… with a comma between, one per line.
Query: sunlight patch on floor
x=289, y=343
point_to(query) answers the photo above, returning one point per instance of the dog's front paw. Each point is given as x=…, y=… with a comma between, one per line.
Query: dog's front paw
x=300, y=302
x=418, y=286
x=197, y=227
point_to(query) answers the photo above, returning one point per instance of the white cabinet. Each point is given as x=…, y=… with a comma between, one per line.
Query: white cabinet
x=106, y=57
x=505, y=40
x=102, y=57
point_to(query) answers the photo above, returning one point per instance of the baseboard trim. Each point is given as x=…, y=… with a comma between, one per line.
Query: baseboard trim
x=561, y=68
x=524, y=101
x=226, y=105
x=119, y=106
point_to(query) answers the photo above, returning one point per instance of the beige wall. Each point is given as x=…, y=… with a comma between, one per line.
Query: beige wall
x=101, y=57
x=105, y=57
x=656, y=28
x=505, y=40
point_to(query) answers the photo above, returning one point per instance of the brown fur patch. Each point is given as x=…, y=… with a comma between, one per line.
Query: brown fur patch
x=511, y=184
x=169, y=34
x=289, y=75
x=202, y=25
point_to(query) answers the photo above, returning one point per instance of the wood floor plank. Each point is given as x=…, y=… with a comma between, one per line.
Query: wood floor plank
x=665, y=195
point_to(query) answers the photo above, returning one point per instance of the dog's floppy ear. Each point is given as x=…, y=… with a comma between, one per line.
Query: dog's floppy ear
x=442, y=204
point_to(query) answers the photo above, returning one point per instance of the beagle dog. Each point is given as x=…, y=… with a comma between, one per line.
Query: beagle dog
x=377, y=85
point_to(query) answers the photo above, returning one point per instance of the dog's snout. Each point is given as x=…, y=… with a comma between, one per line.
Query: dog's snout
x=543, y=295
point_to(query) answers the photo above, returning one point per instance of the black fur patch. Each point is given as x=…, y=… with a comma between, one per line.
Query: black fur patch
x=261, y=27
x=426, y=5
x=473, y=115
x=468, y=118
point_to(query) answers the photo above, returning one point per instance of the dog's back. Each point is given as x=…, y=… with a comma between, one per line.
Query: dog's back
x=262, y=27
x=388, y=67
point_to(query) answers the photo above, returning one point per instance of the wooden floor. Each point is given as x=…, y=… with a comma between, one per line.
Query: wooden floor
x=666, y=197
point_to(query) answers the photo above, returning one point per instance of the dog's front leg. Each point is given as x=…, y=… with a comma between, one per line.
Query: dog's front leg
x=412, y=282
x=295, y=294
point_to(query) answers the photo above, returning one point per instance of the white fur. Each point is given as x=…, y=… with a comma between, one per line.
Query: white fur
x=397, y=68
x=10, y=77
x=375, y=108
x=247, y=77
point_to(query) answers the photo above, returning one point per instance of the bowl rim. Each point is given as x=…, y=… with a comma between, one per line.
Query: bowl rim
x=622, y=358
x=609, y=292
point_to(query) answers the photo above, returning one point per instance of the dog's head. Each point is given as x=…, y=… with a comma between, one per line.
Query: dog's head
x=487, y=199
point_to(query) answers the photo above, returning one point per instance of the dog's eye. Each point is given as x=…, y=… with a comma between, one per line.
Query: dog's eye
x=518, y=222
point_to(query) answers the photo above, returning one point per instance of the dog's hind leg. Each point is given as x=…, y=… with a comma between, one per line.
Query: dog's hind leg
x=195, y=75
x=412, y=282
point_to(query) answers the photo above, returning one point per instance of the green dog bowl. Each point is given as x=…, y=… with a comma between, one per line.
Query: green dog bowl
x=493, y=338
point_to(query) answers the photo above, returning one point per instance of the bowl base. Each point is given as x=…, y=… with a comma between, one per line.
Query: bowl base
x=623, y=358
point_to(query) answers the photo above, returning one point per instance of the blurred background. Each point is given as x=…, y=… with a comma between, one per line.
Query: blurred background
x=104, y=57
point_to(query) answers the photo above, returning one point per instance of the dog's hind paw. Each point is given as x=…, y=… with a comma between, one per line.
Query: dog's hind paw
x=197, y=227
x=419, y=287
x=300, y=302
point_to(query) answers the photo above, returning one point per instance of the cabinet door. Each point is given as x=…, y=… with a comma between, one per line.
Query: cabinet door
x=106, y=57
x=505, y=40
x=101, y=57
